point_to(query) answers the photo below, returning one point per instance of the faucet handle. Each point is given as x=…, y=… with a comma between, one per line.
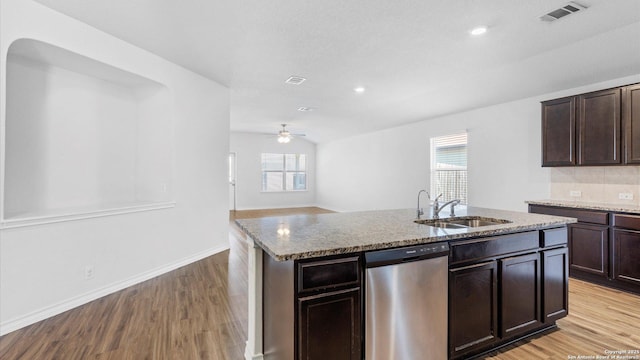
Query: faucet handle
x=453, y=205
x=437, y=197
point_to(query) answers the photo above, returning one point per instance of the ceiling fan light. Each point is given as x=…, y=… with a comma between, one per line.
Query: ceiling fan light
x=478, y=30
x=283, y=139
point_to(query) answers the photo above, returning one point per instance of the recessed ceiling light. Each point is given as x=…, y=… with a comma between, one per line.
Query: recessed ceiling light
x=295, y=80
x=359, y=89
x=478, y=30
x=305, y=109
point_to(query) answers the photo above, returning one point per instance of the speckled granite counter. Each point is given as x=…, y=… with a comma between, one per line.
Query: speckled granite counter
x=308, y=236
x=631, y=209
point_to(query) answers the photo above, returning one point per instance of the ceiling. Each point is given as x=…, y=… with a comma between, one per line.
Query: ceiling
x=415, y=58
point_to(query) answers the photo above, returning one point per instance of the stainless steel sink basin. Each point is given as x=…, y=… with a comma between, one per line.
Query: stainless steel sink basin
x=462, y=222
x=442, y=224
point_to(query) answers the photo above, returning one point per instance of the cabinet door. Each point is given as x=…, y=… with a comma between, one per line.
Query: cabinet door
x=598, y=128
x=631, y=121
x=555, y=290
x=519, y=294
x=558, y=132
x=329, y=326
x=472, y=307
x=589, y=249
x=626, y=256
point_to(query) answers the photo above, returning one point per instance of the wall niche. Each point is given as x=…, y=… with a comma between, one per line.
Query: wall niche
x=82, y=138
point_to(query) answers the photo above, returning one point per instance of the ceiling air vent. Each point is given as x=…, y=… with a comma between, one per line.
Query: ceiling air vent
x=568, y=9
x=295, y=80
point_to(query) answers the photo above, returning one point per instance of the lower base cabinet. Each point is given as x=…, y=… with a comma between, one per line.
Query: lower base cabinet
x=589, y=250
x=329, y=326
x=604, y=246
x=520, y=294
x=505, y=288
x=473, y=305
x=626, y=254
x=555, y=270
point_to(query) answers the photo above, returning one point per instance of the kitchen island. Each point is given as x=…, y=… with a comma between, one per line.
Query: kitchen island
x=296, y=261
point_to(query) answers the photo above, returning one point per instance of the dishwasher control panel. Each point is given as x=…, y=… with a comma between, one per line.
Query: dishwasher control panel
x=405, y=254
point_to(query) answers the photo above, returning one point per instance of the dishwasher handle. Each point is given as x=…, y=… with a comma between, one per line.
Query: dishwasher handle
x=405, y=254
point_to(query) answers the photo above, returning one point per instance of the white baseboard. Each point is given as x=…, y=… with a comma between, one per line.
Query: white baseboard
x=268, y=207
x=49, y=311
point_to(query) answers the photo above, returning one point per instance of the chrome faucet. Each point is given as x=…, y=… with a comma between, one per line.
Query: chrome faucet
x=419, y=210
x=437, y=207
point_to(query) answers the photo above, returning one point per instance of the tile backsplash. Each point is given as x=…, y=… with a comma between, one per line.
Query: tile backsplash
x=596, y=184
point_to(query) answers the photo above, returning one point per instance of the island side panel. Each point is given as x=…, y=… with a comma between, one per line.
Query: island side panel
x=278, y=309
x=253, y=350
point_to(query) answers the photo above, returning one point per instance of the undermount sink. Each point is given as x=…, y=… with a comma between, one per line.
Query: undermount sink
x=462, y=222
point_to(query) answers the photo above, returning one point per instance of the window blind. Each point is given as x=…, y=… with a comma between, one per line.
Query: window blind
x=449, y=167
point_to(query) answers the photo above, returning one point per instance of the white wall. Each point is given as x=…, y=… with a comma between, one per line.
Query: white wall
x=81, y=139
x=385, y=169
x=248, y=148
x=42, y=267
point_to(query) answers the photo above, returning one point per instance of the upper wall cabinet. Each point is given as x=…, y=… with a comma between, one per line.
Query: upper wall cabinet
x=593, y=129
x=631, y=123
x=558, y=132
x=598, y=128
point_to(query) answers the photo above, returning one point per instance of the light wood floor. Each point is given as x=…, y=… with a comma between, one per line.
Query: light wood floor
x=200, y=312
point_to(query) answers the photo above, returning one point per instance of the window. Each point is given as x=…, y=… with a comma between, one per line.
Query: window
x=284, y=172
x=449, y=167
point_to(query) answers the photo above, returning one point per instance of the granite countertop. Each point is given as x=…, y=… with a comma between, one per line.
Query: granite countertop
x=632, y=209
x=307, y=236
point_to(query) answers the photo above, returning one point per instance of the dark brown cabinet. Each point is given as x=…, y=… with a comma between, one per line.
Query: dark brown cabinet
x=329, y=308
x=604, y=247
x=589, y=249
x=473, y=307
x=555, y=265
x=597, y=128
x=558, y=132
x=500, y=287
x=520, y=294
x=329, y=326
x=626, y=250
x=631, y=123
x=312, y=308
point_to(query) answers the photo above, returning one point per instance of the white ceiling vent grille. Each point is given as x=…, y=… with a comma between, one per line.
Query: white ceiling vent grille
x=295, y=80
x=568, y=9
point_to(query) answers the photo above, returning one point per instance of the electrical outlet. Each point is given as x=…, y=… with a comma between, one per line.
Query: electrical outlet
x=88, y=272
x=625, y=196
x=575, y=193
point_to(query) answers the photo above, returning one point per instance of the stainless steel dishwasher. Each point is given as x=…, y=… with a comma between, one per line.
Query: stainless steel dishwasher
x=406, y=303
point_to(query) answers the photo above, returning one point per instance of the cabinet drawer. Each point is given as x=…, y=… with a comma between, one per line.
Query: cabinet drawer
x=553, y=237
x=631, y=222
x=587, y=216
x=494, y=246
x=328, y=273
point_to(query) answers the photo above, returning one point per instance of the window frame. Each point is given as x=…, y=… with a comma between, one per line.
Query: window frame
x=284, y=172
x=461, y=173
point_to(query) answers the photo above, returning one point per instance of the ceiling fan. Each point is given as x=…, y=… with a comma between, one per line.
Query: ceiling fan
x=284, y=135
